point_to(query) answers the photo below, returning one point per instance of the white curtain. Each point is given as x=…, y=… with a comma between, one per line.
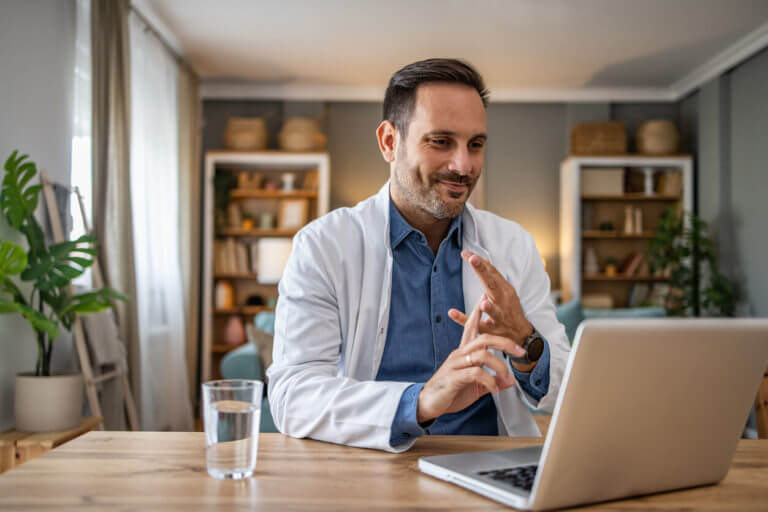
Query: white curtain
x=164, y=398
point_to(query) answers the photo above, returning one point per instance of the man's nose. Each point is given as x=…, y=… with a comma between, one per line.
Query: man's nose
x=462, y=160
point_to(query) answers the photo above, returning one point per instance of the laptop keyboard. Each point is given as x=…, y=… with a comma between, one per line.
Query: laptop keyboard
x=518, y=476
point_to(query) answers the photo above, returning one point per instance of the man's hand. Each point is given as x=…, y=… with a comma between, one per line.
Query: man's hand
x=500, y=303
x=461, y=380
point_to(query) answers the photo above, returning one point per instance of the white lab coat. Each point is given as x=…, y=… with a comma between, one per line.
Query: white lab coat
x=332, y=317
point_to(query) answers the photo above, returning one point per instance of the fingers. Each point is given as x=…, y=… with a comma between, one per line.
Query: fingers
x=492, y=341
x=471, y=326
x=492, y=310
x=481, y=357
x=457, y=316
x=475, y=375
x=491, y=278
x=486, y=326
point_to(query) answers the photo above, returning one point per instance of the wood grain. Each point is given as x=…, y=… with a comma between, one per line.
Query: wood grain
x=18, y=447
x=166, y=471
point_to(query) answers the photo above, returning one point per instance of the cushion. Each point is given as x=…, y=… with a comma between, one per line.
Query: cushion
x=649, y=312
x=570, y=315
x=242, y=363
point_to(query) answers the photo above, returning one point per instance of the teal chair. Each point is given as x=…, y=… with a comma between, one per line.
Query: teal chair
x=244, y=363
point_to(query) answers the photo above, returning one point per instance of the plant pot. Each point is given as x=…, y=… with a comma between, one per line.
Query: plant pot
x=50, y=403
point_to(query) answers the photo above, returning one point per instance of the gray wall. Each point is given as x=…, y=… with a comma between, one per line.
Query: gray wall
x=726, y=123
x=526, y=143
x=37, y=59
x=748, y=116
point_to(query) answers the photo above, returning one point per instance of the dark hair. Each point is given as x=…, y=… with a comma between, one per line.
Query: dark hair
x=400, y=97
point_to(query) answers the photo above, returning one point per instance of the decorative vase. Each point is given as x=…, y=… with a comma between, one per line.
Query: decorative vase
x=629, y=220
x=638, y=221
x=648, y=183
x=288, y=179
x=234, y=331
x=246, y=134
x=657, y=137
x=225, y=295
x=44, y=404
x=301, y=134
x=611, y=269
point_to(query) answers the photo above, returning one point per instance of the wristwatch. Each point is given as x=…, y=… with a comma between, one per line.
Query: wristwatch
x=533, y=346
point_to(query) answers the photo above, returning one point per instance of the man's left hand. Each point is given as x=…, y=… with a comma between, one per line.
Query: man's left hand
x=500, y=303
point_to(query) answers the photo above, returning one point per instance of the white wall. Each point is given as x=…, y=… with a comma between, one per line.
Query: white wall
x=36, y=58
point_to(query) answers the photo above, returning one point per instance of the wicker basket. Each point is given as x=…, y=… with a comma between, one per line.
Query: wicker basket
x=599, y=138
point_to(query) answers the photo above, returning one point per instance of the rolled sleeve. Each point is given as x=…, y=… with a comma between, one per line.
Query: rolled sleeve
x=405, y=426
x=536, y=382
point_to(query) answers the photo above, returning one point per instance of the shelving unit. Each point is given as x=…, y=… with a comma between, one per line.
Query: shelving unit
x=576, y=238
x=271, y=164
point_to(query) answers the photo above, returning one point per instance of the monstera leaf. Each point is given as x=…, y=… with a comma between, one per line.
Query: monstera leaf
x=17, y=200
x=13, y=259
x=92, y=302
x=60, y=264
x=36, y=319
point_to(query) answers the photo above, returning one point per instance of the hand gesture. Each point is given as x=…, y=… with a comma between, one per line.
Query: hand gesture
x=461, y=380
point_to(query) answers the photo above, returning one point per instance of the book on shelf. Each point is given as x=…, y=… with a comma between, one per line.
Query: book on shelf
x=230, y=257
x=253, y=249
x=631, y=263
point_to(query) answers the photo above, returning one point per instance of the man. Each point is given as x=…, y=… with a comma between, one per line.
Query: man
x=371, y=346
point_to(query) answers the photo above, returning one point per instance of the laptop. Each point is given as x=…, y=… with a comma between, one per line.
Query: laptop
x=646, y=405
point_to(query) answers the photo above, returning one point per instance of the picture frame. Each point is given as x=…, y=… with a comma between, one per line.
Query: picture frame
x=293, y=213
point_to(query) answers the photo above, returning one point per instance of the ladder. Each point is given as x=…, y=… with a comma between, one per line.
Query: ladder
x=78, y=333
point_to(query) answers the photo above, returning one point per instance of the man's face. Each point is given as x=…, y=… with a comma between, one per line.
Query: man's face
x=438, y=164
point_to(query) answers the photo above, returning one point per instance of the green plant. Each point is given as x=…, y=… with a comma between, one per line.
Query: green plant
x=682, y=249
x=610, y=260
x=49, y=269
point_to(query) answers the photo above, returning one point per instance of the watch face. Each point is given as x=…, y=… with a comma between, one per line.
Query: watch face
x=535, y=349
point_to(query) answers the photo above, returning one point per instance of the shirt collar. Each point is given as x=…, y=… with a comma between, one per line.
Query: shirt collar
x=399, y=228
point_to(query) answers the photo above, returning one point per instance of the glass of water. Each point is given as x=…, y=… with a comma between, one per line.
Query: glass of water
x=231, y=414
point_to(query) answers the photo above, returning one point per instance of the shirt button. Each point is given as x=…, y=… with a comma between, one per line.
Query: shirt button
x=437, y=318
x=435, y=268
x=538, y=382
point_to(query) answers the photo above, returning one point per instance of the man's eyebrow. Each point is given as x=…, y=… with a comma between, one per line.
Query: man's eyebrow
x=452, y=133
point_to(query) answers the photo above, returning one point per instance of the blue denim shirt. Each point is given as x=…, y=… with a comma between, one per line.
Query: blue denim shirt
x=420, y=335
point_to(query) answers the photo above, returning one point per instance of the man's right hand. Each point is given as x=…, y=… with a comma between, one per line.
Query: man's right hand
x=461, y=380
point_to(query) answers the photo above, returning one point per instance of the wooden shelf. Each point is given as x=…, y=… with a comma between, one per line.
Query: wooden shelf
x=223, y=349
x=630, y=156
x=263, y=233
x=616, y=235
x=235, y=276
x=245, y=193
x=243, y=310
x=621, y=277
x=255, y=154
x=632, y=197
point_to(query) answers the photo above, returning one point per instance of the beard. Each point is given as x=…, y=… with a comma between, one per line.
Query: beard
x=428, y=198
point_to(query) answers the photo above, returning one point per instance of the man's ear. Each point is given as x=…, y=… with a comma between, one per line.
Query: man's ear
x=386, y=134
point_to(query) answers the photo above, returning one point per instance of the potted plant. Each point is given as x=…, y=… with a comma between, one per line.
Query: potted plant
x=682, y=250
x=36, y=284
x=611, y=266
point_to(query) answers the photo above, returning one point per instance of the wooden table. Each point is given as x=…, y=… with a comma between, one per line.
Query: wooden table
x=18, y=447
x=166, y=471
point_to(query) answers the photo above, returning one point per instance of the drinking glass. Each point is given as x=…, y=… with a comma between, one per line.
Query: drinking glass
x=231, y=415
